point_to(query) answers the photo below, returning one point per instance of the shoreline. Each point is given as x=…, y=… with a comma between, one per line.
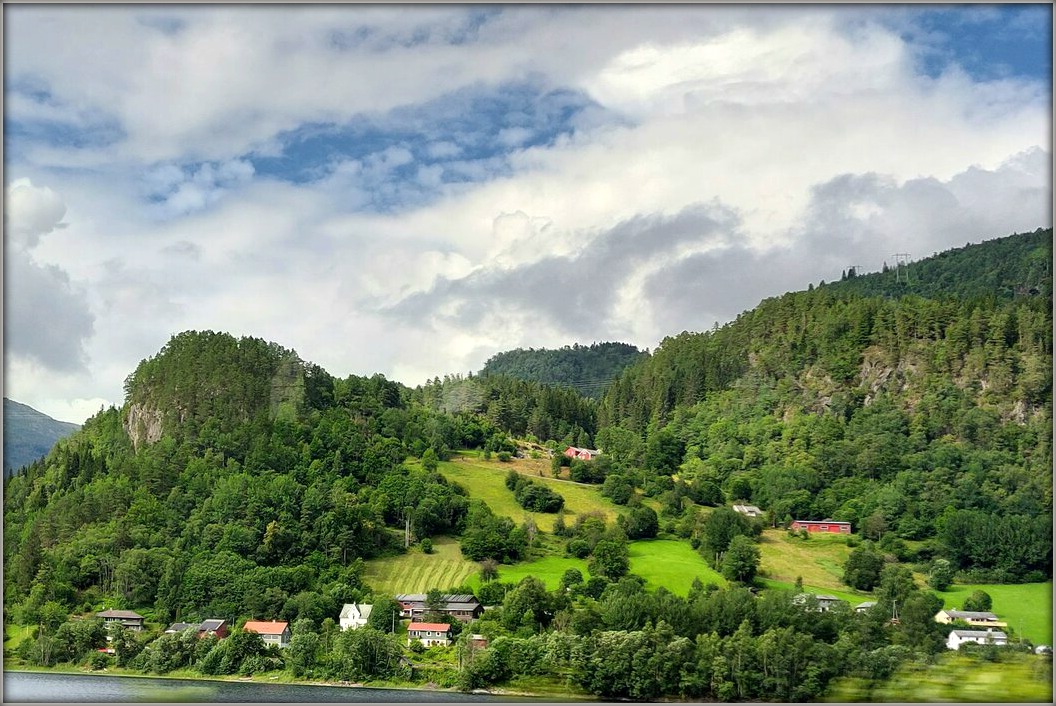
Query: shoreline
x=228, y=679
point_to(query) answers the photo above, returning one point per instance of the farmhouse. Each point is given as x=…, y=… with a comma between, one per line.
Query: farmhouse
x=582, y=454
x=429, y=634
x=272, y=632
x=463, y=606
x=125, y=618
x=981, y=619
x=864, y=606
x=354, y=615
x=823, y=603
x=833, y=526
x=980, y=637
x=749, y=510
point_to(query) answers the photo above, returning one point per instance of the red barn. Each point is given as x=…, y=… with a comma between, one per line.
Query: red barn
x=822, y=526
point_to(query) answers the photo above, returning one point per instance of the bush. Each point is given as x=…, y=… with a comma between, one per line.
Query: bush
x=99, y=660
x=427, y=546
x=504, y=456
x=579, y=548
x=978, y=601
x=538, y=498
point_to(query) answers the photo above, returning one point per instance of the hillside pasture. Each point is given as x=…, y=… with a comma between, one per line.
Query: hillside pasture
x=844, y=594
x=818, y=561
x=672, y=564
x=486, y=480
x=661, y=562
x=415, y=572
x=549, y=570
x=1026, y=607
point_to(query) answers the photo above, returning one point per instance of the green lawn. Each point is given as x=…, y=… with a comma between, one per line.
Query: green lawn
x=549, y=569
x=672, y=564
x=416, y=572
x=661, y=562
x=1026, y=607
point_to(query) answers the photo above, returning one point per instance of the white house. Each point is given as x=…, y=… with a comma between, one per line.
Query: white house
x=980, y=637
x=749, y=510
x=354, y=615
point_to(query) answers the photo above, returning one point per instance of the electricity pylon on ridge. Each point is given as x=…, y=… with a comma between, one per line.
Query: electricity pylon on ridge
x=901, y=267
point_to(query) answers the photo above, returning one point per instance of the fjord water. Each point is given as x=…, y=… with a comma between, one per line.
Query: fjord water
x=91, y=688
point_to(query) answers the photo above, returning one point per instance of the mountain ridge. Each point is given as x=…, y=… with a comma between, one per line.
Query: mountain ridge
x=29, y=434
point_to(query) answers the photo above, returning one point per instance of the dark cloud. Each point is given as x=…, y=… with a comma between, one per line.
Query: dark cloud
x=575, y=293
x=46, y=320
x=858, y=220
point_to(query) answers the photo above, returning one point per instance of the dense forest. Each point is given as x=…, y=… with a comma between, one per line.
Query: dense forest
x=240, y=481
x=586, y=369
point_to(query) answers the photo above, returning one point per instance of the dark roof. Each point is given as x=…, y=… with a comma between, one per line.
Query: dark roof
x=179, y=627
x=996, y=634
x=457, y=601
x=213, y=625
x=971, y=614
x=120, y=614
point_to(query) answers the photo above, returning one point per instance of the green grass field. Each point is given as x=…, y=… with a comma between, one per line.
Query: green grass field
x=548, y=569
x=486, y=480
x=14, y=634
x=818, y=561
x=1026, y=607
x=852, y=597
x=416, y=572
x=672, y=564
x=661, y=562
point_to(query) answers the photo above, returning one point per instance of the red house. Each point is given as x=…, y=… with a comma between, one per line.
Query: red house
x=583, y=454
x=832, y=526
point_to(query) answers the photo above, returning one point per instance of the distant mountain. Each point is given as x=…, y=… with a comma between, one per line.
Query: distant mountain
x=586, y=369
x=29, y=434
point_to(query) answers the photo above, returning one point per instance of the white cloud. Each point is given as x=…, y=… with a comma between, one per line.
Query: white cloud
x=31, y=212
x=771, y=117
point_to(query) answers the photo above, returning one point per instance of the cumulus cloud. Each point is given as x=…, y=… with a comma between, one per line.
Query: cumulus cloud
x=46, y=318
x=576, y=293
x=31, y=212
x=180, y=191
x=523, y=176
x=858, y=220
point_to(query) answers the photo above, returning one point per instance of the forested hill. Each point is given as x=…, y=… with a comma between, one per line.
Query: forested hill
x=586, y=369
x=979, y=317
x=238, y=481
x=1017, y=265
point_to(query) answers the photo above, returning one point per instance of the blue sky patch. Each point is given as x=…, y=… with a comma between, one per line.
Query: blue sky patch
x=987, y=41
x=468, y=134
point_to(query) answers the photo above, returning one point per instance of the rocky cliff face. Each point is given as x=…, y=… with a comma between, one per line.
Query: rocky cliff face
x=143, y=425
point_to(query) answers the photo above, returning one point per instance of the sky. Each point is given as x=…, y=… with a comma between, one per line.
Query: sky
x=411, y=190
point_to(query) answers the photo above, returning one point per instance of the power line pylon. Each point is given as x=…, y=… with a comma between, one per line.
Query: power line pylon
x=902, y=267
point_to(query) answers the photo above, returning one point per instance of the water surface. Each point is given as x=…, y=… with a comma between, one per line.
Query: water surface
x=89, y=688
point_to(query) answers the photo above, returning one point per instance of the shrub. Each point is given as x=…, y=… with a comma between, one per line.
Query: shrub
x=99, y=660
x=504, y=456
x=579, y=548
x=978, y=601
x=427, y=546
